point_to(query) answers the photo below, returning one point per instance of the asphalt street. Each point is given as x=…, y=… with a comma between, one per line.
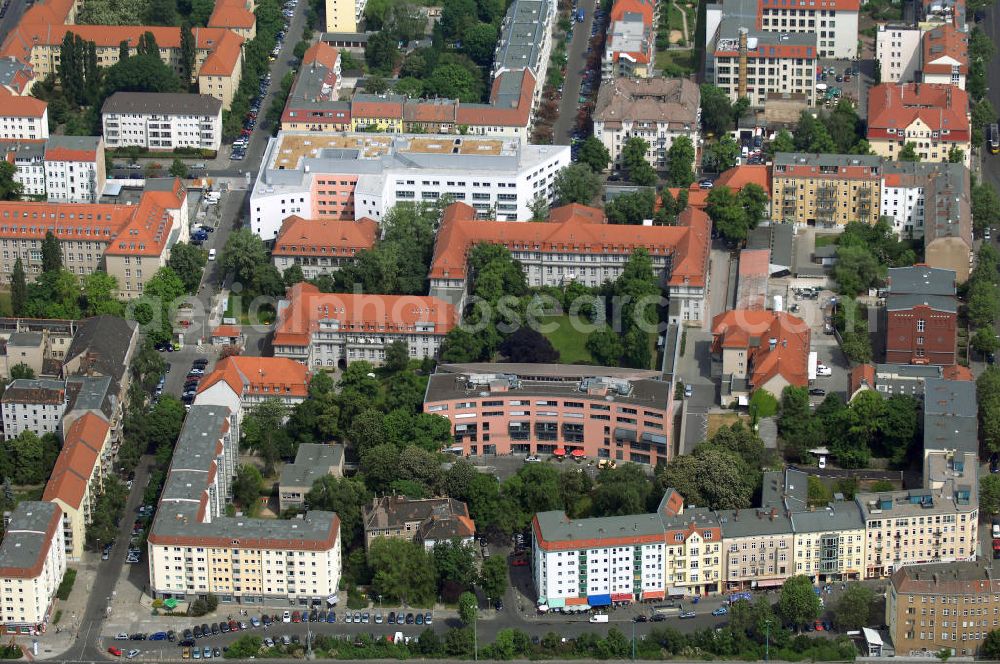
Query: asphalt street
x=13, y=15
x=991, y=163
x=577, y=64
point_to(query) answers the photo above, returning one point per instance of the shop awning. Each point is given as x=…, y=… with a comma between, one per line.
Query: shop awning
x=769, y=583
x=652, y=594
x=599, y=600
x=578, y=453
x=559, y=451
x=170, y=603
x=575, y=601
x=621, y=597
x=654, y=438
x=557, y=602
x=332, y=600
x=543, y=608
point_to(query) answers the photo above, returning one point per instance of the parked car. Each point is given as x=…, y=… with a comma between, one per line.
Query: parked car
x=721, y=611
x=117, y=652
x=823, y=370
x=132, y=654
x=688, y=614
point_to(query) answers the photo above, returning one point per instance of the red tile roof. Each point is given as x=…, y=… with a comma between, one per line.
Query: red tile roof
x=150, y=226
x=224, y=59
x=356, y=312
x=324, y=237
x=957, y=372
x=752, y=330
x=232, y=14
x=642, y=7
x=20, y=106
x=321, y=53
x=755, y=263
x=861, y=377
x=80, y=454
x=68, y=154
x=260, y=376
x=516, y=115
x=573, y=229
x=229, y=331
x=944, y=46
x=896, y=106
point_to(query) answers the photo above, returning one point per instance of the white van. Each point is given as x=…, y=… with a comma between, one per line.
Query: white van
x=211, y=254
x=599, y=618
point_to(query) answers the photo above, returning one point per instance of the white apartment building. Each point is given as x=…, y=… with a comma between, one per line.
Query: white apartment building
x=32, y=564
x=162, y=120
x=906, y=189
x=834, y=23
x=897, y=49
x=526, y=40
x=657, y=110
x=33, y=405
x=335, y=329
x=28, y=158
x=194, y=549
x=596, y=562
x=781, y=65
x=356, y=175
x=936, y=524
x=74, y=169
x=23, y=118
x=829, y=542
x=241, y=382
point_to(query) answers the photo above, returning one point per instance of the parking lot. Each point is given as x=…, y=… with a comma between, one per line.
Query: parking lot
x=851, y=77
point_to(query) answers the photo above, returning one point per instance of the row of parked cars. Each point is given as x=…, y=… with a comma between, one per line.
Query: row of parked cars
x=198, y=368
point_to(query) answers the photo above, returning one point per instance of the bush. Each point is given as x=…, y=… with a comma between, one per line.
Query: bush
x=66, y=586
x=198, y=608
x=11, y=652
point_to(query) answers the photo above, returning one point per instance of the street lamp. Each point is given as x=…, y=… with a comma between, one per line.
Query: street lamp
x=475, y=634
x=380, y=603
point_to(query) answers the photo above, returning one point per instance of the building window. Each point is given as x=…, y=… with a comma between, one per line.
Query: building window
x=921, y=325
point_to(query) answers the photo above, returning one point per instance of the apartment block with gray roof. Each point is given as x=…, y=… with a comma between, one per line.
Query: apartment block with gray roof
x=35, y=405
x=162, y=121
x=32, y=564
x=921, y=316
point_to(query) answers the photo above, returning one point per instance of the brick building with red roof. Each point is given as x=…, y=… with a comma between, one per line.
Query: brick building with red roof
x=934, y=117
x=760, y=350
x=321, y=246
x=577, y=244
x=331, y=329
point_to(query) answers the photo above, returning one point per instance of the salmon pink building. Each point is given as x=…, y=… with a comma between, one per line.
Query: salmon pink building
x=554, y=409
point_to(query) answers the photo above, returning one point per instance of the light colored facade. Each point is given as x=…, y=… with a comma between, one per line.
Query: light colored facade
x=335, y=329
x=427, y=520
x=321, y=246
x=77, y=478
x=28, y=158
x=758, y=545
x=75, y=169
x=32, y=564
x=897, y=49
x=344, y=15
x=599, y=561
x=835, y=26
x=23, y=118
x=830, y=543
x=543, y=409
x=935, y=524
x=353, y=176
x=114, y=238
x=312, y=462
x=33, y=405
x=949, y=607
x=945, y=54
x=162, y=120
x=657, y=110
x=934, y=117
x=27, y=348
x=242, y=382
x=195, y=550
x=577, y=244
x=825, y=190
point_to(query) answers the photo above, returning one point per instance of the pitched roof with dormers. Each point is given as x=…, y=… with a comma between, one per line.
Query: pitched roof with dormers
x=232, y=14
x=152, y=225
x=74, y=467
x=324, y=237
x=260, y=376
x=945, y=47
x=753, y=331
x=356, y=312
x=224, y=59
x=893, y=107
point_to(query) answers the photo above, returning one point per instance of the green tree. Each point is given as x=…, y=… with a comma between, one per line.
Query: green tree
x=99, y=291
x=798, y=429
x=633, y=208
x=577, y=183
x=18, y=288
x=985, y=206
x=21, y=371
x=455, y=563
x=594, y=154
x=783, y=142
x=479, y=43
x=909, y=152
x=991, y=646
x=140, y=73
x=188, y=55
x=856, y=270
x=956, y=155
x=680, y=162
x=247, y=485
x=345, y=496
x=983, y=114
x=382, y=52
x=243, y=253
x=468, y=608
x=51, y=253
x=984, y=341
x=453, y=81
x=605, y=346
x=722, y=154
x=263, y=433
x=853, y=609
x=188, y=261
x=798, y=604
x=162, y=12
x=636, y=352
x=989, y=493
x=716, y=110
x=402, y=570
x=179, y=169
x=457, y=16
x=29, y=454
x=728, y=215
x=10, y=189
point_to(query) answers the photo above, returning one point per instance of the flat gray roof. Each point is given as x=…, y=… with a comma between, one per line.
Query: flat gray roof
x=26, y=537
x=162, y=103
x=555, y=526
x=312, y=462
x=835, y=516
x=921, y=280
x=950, y=415
x=754, y=521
